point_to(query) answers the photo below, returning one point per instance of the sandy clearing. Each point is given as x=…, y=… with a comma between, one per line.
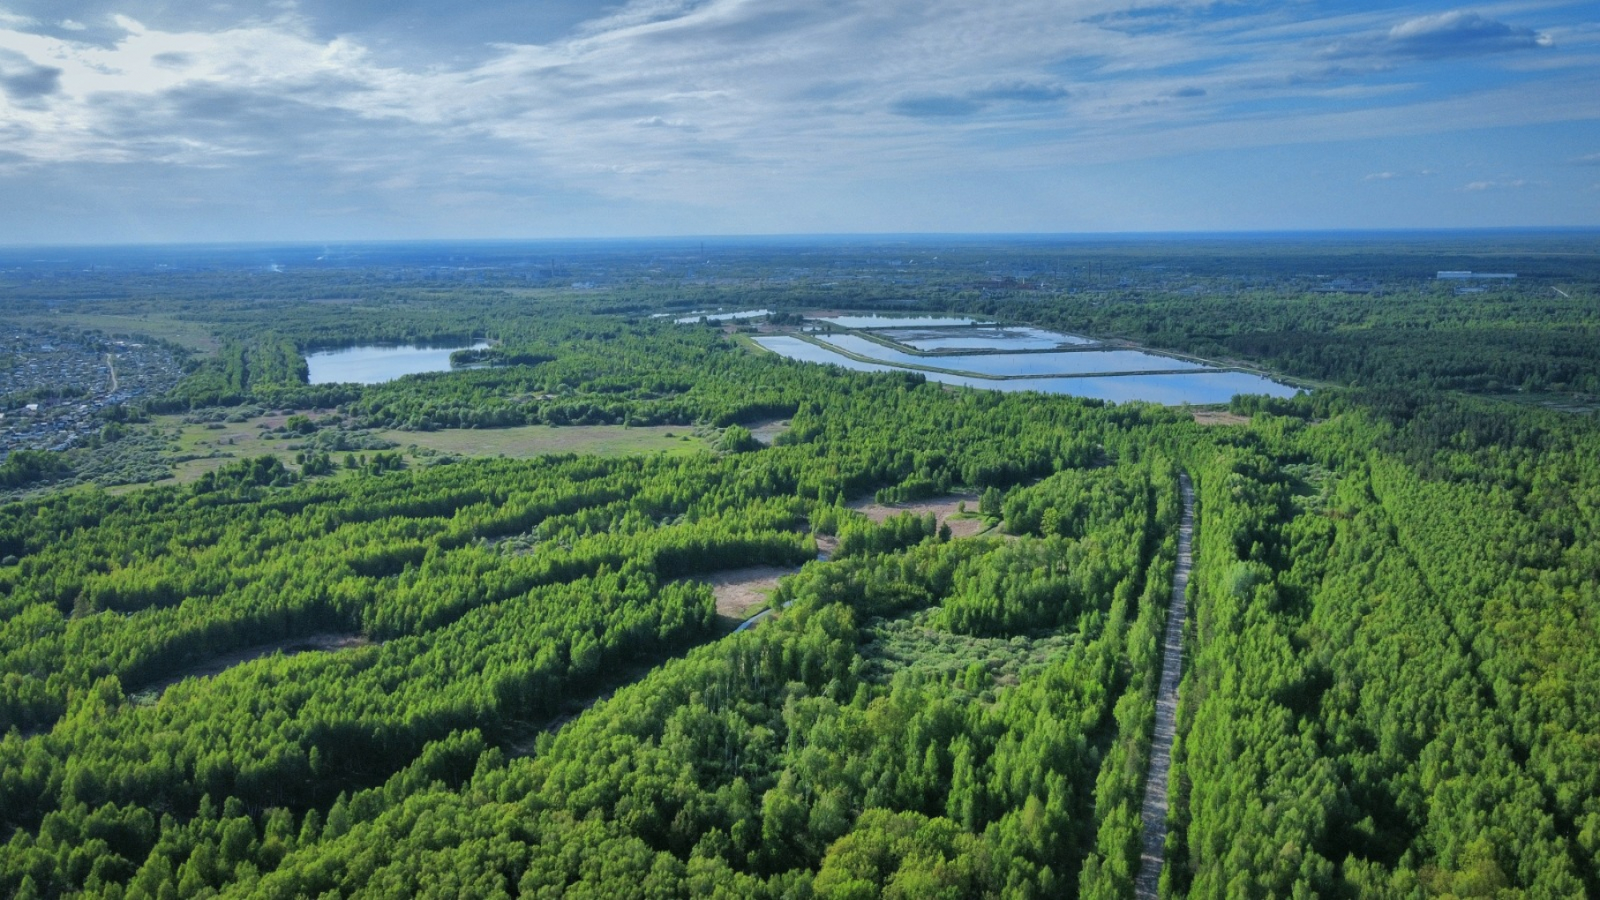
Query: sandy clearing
x=1219, y=417
x=766, y=432
x=526, y=441
x=737, y=590
x=943, y=508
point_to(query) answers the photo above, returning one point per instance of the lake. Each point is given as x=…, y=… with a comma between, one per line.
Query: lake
x=376, y=364
x=1199, y=388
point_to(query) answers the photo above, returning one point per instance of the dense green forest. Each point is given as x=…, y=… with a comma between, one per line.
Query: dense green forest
x=1389, y=654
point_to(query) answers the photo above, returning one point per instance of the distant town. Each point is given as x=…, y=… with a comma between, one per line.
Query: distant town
x=58, y=387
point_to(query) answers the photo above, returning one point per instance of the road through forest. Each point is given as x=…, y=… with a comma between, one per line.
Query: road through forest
x=1154, y=811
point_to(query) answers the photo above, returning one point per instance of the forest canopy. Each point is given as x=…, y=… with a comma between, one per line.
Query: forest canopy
x=361, y=668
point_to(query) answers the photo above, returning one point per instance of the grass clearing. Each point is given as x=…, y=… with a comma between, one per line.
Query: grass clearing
x=539, y=440
x=164, y=327
x=1219, y=417
x=915, y=642
x=948, y=510
x=739, y=591
x=196, y=449
x=767, y=432
x=206, y=448
x=1561, y=401
x=327, y=642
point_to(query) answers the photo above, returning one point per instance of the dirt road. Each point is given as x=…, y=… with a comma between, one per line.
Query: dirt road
x=1154, y=812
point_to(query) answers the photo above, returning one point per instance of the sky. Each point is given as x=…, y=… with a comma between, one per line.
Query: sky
x=131, y=121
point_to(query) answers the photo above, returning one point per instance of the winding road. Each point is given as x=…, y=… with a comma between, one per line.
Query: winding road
x=1154, y=811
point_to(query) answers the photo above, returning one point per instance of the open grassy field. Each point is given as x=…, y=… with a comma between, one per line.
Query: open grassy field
x=538, y=440
x=231, y=441
x=1560, y=401
x=1219, y=417
x=194, y=335
x=739, y=591
x=217, y=444
x=948, y=510
x=196, y=449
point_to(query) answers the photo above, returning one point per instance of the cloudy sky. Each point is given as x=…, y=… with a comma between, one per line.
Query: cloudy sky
x=159, y=120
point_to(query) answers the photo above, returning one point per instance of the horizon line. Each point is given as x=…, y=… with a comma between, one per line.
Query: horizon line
x=824, y=235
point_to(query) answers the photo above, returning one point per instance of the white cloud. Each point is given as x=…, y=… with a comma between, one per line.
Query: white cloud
x=684, y=100
x=909, y=77
x=1511, y=184
x=1392, y=176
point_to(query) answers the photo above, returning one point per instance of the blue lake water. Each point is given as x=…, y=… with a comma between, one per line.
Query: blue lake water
x=694, y=317
x=377, y=364
x=1198, y=388
x=1084, y=362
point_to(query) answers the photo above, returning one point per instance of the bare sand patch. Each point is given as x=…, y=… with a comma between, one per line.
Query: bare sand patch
x=1219, y=417
x=767, y=432
x=944, y=509
x=524, y=441
x=737, y=590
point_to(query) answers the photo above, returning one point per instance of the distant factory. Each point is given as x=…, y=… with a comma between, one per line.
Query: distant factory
x=1467, y=276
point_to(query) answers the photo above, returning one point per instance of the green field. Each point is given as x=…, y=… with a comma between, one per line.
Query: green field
x=539, y=440
x=193, y=335
x=214, y=447
x=234, y=440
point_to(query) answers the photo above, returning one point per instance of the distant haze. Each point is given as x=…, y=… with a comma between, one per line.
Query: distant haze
x=146, y=121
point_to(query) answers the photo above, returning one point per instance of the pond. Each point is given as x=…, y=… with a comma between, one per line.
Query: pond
x=1201, y=387
x=375, y=364
x=981, y=338
x=1081, y=362
x=695, y=317
x=875, y=321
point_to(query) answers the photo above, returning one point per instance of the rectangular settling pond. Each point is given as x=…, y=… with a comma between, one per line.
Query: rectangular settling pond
x=694, y=317
x=875, y=321
x=1200, y=387
x=982, y=338
x=1081, y=362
